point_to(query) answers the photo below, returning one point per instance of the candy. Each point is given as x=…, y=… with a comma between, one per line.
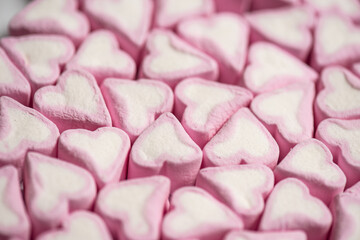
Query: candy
x=252, y=235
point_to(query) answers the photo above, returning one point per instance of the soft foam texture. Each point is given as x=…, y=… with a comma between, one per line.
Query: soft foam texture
x=348, y=7
x=353, y=210
x=6, y=76
x=174, y=7
x=8, y=217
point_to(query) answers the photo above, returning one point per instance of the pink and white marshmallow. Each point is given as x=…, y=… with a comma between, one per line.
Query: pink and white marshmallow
x=278, y=235
x=265, y=4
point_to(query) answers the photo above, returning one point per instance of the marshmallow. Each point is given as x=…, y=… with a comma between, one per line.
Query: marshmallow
x=342, y=138
x=224, y=37
x=53, y=189
x=233, y=5
x=24, y=129
x=356, y=68
x=14, y=222
x=130, y=20
x=79, y=225
x=164, y=148
x=134, y=105
x=249, y=235
x=39, y=57
x=51, y=17
x=100, y=55
x=242, y=140
x=291, y=207
x=312, y=163
x=195, y=214
x=133, y=209
x=103, y=152
x=271, y=68
x=288, y=27
x=204, y=106
x=170, y=12
x=243, y=188
x=287, y=113
x=170, y=59
x=337, y=41
x=264, y=4
x=75, y=102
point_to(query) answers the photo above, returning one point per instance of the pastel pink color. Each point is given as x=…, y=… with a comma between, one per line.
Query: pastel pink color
x=195, y=214
x=24, y=129
x=164, y=148
x=133, y=209
x=134, y=105
x=103, y=152
x=356, y=68
x=241, y=140
x=204, y=106
x=70, y=108
x=100, y=55
x=54, y=189
x=224, y=37
x=243, y=188
x=51, y=17
x=312, y=163
x=39, y=57
x=264, y=4
x=14, y=221
x=291, y=207
x=278, y=235
x=170, y=59
x=235, y=6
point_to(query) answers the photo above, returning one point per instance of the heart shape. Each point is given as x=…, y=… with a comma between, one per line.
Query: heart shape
x=288, y=27
x=311, y=162
x=204, y=106
x=103, y=152
x=134, y=105
x=80, y=225
x=170, y=60
x=39, y=57
x=252, y=235
x=53, y=189
x=350, y=8
x=68, y=108
x=291, y=207
x=51, y=17
x=134, y=208
x=223, y=36
x=24, y=129
x=100, y=55
x=242, y=139
x=164, y=148
x=270, y=68
x=14, y=221
x=196, y=214
x=243, y=188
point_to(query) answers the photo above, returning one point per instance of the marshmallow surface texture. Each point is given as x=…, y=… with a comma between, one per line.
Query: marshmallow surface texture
x=278, y=235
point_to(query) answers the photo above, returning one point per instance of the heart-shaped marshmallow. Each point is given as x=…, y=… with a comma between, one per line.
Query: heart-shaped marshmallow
x=287, y=27
x=204, y=106
x=39, y=57
x=288, y=114
x=165, y=148
x=14, y=221
x=339, y=96
x=252, y=235
x=223, y=36
x=168, y=13
x=12, y=82
x=24, y=129
x=312, y=163
x=195, y=214
x=130, y=20
x=233, y=6
x=133, y=209
x=170, y=59
x=291, y=207
x=75, y=102
x=243, y=188
x=346, y=212
x=54, y=188
x=342, y=138
x=103, y=152
x=80, y=225
x=270, y=68
x=134, y=105
x=337, y=41
x=100, y=55
x=242, y=139
x=51, y=17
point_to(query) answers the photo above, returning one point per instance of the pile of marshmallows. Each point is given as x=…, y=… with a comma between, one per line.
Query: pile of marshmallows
x=181, y=119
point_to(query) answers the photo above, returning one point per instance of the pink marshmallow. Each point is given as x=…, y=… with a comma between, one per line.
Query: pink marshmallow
x=235, y=6
x=70, y=108
x=356, y=68
x=278, y=235
x=264, y=4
